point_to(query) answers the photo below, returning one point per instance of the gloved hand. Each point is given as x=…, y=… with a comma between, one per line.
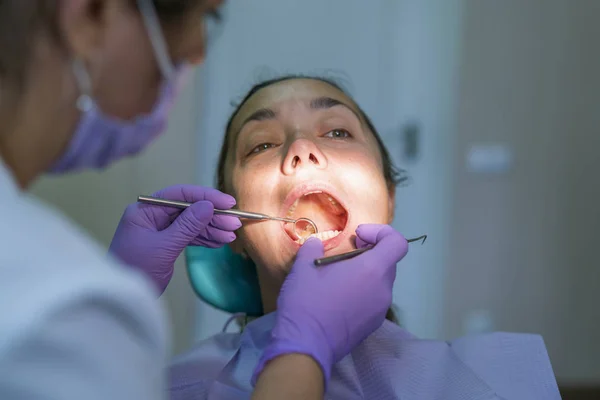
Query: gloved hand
x=151, y=237
x=325, y=312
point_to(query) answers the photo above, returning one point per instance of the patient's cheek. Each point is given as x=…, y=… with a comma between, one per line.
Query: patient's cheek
x=241, y=193
x=252, y=189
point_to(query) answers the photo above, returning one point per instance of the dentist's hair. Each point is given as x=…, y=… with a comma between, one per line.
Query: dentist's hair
x=22, y=20
x=393, y=175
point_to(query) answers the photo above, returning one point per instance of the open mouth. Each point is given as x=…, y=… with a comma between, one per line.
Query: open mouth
x=321, y=208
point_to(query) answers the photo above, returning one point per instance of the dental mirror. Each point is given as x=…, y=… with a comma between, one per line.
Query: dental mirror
x=304, y=227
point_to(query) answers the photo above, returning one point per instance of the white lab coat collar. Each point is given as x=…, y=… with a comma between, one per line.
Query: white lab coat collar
x=8, y=183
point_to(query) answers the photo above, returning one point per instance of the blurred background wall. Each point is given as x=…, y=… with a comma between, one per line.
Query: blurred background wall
x=524, y=241
x=506, y=95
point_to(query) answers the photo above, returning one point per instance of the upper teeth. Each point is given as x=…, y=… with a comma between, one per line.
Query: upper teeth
x=290, y=212
x=321, y=236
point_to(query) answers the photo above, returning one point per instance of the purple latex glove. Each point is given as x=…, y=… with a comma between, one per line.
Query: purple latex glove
x=325, y=312
x=151, y=237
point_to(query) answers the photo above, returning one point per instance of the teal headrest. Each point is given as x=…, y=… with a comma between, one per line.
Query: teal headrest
x=224, y=280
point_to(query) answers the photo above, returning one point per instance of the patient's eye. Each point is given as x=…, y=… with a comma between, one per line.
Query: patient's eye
x=262, y=147
x=338, y=134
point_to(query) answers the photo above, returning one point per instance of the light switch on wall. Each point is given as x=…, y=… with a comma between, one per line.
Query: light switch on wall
x=489, y=159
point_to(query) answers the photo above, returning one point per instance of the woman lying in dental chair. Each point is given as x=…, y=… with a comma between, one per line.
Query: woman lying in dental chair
x=302, y=147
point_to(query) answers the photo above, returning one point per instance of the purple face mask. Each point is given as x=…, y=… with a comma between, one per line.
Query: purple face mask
x=100, y=139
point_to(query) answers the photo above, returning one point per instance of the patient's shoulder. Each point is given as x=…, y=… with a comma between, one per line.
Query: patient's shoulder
x=203, y=363
x=508, y=365
x=516, y=365
x=391, y=330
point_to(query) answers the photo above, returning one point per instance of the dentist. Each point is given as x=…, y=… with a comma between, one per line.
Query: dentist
x=84, y=83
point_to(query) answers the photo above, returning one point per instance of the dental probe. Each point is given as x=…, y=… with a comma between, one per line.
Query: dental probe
x=237, y=213
x=345, y=256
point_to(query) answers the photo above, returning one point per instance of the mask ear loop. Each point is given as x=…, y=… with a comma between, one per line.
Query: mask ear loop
x=84, y=102
x=157, y=38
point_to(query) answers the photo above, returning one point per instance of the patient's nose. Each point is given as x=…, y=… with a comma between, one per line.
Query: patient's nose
x=303, y=154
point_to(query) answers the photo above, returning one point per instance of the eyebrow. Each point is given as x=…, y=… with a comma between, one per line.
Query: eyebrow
x=324, y=103
x=261, y=115
x=320, y=103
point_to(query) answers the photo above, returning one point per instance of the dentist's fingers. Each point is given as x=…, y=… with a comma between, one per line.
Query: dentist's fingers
x=310, y=250
x=389, y=245
x=213, y=238
x=193, y=194
x=192, y=222
x=226, y=222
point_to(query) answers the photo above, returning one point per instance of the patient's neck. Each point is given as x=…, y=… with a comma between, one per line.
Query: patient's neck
x=270, y=285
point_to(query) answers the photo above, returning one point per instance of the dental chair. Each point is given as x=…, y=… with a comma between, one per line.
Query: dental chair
x=224, y=280
x=228, y=282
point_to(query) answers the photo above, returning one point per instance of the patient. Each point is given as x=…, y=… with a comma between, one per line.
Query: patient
x=301, y=147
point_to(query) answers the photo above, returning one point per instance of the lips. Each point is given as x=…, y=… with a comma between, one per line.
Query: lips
x=321, y=203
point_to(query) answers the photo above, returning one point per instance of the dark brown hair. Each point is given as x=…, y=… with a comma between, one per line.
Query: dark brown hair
x=22, y=20
x=393, y=176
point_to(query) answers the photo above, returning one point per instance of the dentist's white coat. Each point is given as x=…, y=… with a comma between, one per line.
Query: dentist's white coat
x=67, y=312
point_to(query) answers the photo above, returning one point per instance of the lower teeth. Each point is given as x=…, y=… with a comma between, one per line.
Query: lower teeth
x=321, y=236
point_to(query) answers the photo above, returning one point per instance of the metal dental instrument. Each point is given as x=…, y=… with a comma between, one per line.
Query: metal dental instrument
x=345, y=256
x=237, y=213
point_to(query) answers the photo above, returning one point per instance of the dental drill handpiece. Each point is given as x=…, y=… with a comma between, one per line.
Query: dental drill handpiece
x=238, y=213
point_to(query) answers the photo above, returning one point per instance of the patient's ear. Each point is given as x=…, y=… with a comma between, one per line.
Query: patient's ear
x=391, y=203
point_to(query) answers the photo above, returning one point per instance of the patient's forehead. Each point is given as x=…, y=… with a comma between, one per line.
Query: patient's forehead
x=301, y=89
